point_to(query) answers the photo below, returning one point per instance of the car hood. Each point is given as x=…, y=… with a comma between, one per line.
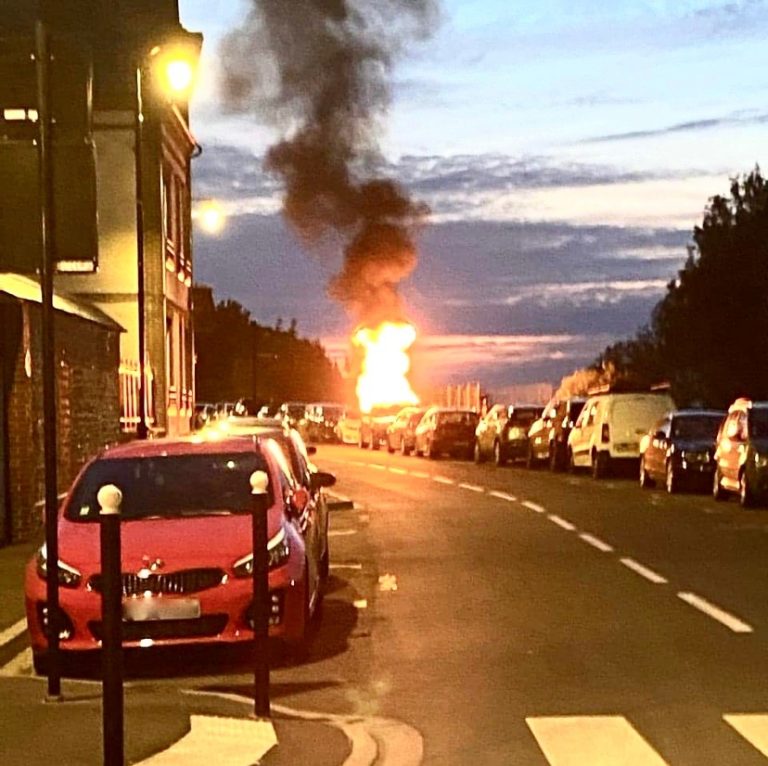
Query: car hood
x=178, y=543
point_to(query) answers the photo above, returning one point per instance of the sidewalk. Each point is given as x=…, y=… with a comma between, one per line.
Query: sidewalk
x=158, y=714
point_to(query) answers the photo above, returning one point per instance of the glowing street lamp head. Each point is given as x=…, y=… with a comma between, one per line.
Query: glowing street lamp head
x=210, y=215
x=175, y=69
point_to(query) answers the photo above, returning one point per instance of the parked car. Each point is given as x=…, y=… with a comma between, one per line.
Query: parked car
x=679, y=449
x=186, y=548
x=374, y=425
x=401, y=434
x=609, y=429
x=443, y=430
x=741, y=454
x=294, y=415
x=322, y=419
x=348, y=427
x=503, y=433
x=548, y=436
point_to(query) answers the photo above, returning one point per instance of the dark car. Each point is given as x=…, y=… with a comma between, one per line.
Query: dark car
x=446, y=430
x=678, y=451
x=503, y=433
x=548, y=436
x=401, y=435
x=322, y=419
x=741, y=454
x=374, y=425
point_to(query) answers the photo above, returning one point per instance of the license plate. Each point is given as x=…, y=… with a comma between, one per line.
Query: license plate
x=153, y=608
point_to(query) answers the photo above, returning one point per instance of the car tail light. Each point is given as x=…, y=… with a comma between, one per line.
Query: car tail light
x=605, y=434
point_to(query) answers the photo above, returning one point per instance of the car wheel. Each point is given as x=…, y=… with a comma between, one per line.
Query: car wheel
x=572, y=467
x=600, y=465
x=530, y=459
x=498, y=455
x=361, y=441
x=373, y=444
x=429, y=450
x=645, y=480
x=718, y=493
x=403, y=447
x=554, y=458
x=390, y=448
x=477, y=454
x=672, y=481
x=747, y=497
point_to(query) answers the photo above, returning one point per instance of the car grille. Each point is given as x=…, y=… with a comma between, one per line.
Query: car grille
x=206, y=626
x=177, y=583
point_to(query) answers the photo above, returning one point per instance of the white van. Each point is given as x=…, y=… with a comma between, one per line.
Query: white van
x=610, y=427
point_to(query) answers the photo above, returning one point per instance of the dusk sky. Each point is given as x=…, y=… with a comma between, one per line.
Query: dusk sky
x=566, y=150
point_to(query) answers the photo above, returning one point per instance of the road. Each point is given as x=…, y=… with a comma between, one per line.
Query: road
x=518, y=617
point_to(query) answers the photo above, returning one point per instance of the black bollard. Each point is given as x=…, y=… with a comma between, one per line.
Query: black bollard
x=110, y=499
x=260, y=502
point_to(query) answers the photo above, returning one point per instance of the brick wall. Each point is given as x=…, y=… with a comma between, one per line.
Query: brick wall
x=87, y=360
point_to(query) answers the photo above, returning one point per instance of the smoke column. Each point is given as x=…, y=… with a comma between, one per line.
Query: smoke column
x=319, y=71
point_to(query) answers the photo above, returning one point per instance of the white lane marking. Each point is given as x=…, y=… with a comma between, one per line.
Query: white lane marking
x=214, y=739
x=420, y=475
x=643, y=571
x=361, y=603
x=341, y=532
x=533, y=506
x=596, y=542
x=599, y=740
x=377, y=466
x=20, y=665
x=472, y=487
x=503, y=496
x=562, y=523
x=753, y=727
x=356, y=567
x=387, y=583
x=14, y=631
x=400, y=471
x=716, y=613
x=443, y=480
x=357, y=462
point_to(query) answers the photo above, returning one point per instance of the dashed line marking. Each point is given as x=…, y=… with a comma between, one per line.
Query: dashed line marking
x=716, y=613
x=341, y=532
x=420, y=475
x=562, y=523
x=443, y=480
x=643, y=571
x=377, y=467
x=472, y=487
x=361, y=603
x=503, y=496
x=355, y=567
x=596, y=542
x=533, y=506
x=15, y=630
x=400, y=471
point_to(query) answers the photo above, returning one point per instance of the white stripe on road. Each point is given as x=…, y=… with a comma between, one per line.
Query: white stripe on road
x=420, y=475
x=400, y=471
x=562, y=523
x=533, y=506
x=643, y=571
x=600, y=740
x=472, y=487
x=356, y=567
x=341, y=532
x=503, y=496
x=377, y=466
x=753, y=727
x=10, y=633
x=716, y=613
x=443, y=480
x=20, y=665
x=596, y=542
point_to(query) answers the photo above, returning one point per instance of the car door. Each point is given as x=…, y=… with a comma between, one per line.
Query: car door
x=582, y=432
x=656, y=452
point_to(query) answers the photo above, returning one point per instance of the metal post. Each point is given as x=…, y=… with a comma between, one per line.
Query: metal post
x=110, y=498
x=261, y=706
x=47, y=256
x=141, y=427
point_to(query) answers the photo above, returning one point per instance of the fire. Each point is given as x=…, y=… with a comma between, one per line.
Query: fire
x=383, y=380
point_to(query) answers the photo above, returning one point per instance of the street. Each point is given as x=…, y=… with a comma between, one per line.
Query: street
x=518, y=617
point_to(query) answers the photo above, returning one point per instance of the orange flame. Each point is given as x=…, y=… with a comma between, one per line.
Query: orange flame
x=383, y=380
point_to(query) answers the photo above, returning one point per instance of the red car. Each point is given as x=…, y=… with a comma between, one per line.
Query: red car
x=186, y=548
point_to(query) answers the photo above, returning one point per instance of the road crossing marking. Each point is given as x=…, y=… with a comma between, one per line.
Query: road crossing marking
x=562, y=523
x=533, y=507
x=15, y=630
x=443, y=480
x=596, y=542
x=594, y=740
x=400, y=471
x=472, y=487
x=716, y=613
x=753, y=727
x=503, y=496
x=643, y=571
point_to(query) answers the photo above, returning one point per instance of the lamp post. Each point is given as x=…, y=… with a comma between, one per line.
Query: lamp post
x=174, y=68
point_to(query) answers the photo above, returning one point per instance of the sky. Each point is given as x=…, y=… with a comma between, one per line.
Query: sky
x=566, y=150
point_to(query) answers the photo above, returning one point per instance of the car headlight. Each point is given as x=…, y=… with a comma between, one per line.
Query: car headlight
x=68, y=576
x=278, y=551
x=761, y=461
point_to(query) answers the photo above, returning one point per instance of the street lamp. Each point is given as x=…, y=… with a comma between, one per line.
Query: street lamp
x=210, y=215
x=173, y=67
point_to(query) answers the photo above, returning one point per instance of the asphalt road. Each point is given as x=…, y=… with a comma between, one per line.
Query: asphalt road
x=518, y=617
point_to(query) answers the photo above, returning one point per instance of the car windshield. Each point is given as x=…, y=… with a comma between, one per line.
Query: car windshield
x=295, y=410
x=523, y=417
x=696, y=427
x=576, y=408
x=758, y=423
x=457, y=418
x=170, y=486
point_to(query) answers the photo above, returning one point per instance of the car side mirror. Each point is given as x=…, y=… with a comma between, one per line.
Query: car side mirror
x=321, y=480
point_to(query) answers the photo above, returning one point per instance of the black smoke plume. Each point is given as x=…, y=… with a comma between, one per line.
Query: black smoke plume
x=319, y=71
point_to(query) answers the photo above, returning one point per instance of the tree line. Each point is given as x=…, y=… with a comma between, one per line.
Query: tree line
x=238, y=358
x=708, y=336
